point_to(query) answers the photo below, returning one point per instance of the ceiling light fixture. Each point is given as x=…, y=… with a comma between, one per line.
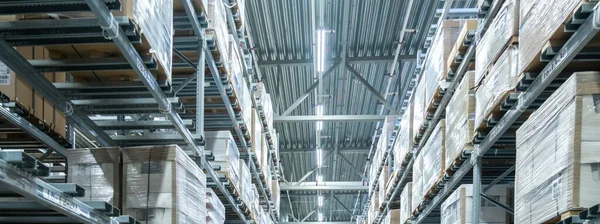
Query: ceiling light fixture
x=320, y=200
x=320, y=50
x=319, y=158
x=319, y=112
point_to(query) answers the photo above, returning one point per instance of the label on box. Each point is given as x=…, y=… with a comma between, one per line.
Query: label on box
x=4, y=75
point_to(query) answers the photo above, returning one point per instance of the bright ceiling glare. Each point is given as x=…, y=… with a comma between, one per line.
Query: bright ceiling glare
x=321, y=50
x=319, y=158
x=320, y=217
x=320, y=200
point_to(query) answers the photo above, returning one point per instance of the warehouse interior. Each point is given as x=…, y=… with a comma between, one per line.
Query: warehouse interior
x=308, y=111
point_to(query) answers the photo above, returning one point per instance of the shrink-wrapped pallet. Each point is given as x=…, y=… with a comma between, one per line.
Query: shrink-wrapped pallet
x=539, y=22
x=558, y=152
x=264, y=157
x=383, y=181
x=373, y=211
x=97, y=171
x=419, y=107
x=501, y=32
x=458, y=208
x=404, y=144
x=215, y=210
x=433, y=156
x=417, y=194
x=406, y=203
x=217, y=28
x=496, y=86
x=460, y=116
x=244, y=183
x=256, y=128
x=222, y=146
x=161, y=184
x=276, y=194
x=392, y=217
x=436, y=67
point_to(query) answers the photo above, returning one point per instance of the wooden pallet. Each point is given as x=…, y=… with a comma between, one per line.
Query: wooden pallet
x=564, y=215
x=497, y=112
x=463, y=42
x=460, y=159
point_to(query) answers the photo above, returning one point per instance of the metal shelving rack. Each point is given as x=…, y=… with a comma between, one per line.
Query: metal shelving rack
x=472, y=164
x=123, y=35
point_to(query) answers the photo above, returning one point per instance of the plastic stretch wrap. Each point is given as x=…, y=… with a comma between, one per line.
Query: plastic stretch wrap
x=383, y=181
x=155, y=21
x=460, y=116
x=256, y=128
x=503, y=28
x=97, y=171
x=269, y=110
x=276, y=194
x=406, y=203
x=417, y=194
x=433, y=156
x=215, y=210
x=457, y=208
x=496, y=85
x=419, y=106
x=404, y=144
x=217, y=28
x=224, y=149
x=539, y=21
x=392, y=217
x=436, y=69
x=163, y=185
x=244, y=183
x=275, y=143
x=373, y=209
x=558, y=152
x=377, y=157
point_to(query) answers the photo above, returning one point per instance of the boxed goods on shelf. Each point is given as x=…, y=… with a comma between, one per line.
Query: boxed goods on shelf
x=406, y=203
x=392, y=217
x=460, y=116
x=256, y=128
x=433, y=156
x=457, y=208
x=244, y=183
x=436, y=68
x=404, y=144
x=217, y=29
x=557, y=153
x=373, y=211
x=502, y=32
x=428, y=168
x=419, y=108
x=541, y=22
x=462, y=44
x=383, y=181
x=375, y=165
x=222, y=145
x=275, y=194
x=161, y=184
x=495, y=87
x=97, y=171
x=215, y=211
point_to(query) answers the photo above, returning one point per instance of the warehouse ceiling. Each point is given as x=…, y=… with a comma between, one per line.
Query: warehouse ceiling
x=282, y=34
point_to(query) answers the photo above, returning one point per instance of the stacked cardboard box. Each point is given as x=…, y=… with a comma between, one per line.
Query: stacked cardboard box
x=392, y=217
x=373, y=211
x=217, y=29
x=244, y=183
x=460, y=116
x=428, y=167
x=542, y=21
x=557, y=152
x=97, y=171
x=222, y=145
x=17, y=90
x=457, y=208
x=501, y=32
x=404, y=144
x=496, y=86
x=236, y=76
x=436, y=67
x=256, y=128
x=275, y=195
x=419, y=107
x=161, y=184
x=406, y=203
x=383, y=181
x=215, y=211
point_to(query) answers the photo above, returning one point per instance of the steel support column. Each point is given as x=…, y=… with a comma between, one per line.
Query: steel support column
x=476, y=204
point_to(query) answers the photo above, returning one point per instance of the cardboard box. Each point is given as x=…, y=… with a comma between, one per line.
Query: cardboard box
x=223, y=147
x=98, y=171
x=558, y=152
x=419, y=107
x=406, y=203
x=460, y=117
x=276, y=194
x=244, y=183
x=383, y=181
x=215, y=210
x=417, y=194
x=496, y=86
x=404, y=143
x=433, y=156
x=458, y=209
x=163, y=185
x=392, y=217
x=501, y=32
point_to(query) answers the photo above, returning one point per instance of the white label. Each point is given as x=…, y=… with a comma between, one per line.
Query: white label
x=4, y=74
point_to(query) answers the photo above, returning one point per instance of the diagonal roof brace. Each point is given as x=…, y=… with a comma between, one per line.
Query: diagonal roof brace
x=372, y=89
